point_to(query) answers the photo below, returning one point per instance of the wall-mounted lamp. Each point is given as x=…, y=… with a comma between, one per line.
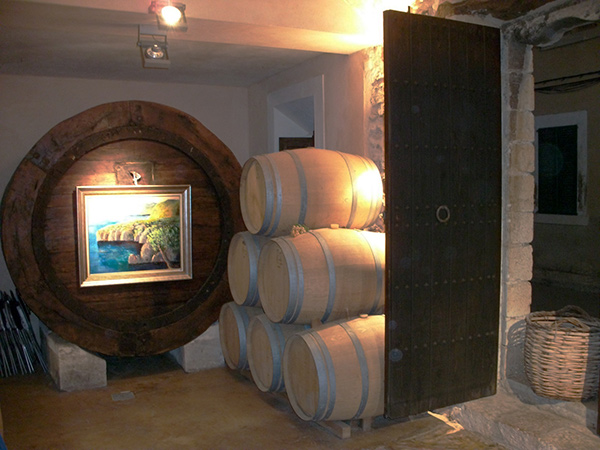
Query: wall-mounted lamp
x=153, y=44
x=169, y=15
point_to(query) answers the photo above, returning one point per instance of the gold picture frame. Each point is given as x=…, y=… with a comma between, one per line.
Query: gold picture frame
x=133, y=234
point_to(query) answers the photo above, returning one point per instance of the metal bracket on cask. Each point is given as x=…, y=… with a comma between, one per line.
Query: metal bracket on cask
x=343, y=428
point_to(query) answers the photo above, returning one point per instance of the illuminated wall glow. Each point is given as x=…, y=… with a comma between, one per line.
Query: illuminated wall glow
x=371, y=14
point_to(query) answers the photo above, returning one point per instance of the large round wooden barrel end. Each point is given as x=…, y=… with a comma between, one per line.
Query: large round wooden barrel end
x=242, y=267
x=233, y=327
x=274, y=280
x=102, y=147
x=266, y=343
x=302, y=378
x=253, y=196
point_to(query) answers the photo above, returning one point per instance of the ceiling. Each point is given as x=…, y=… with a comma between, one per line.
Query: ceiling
x=228, y=42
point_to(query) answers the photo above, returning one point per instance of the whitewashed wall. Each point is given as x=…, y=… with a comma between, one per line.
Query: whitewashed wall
x=31, y=106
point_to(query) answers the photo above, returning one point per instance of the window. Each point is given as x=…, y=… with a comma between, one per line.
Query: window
x=561, y=168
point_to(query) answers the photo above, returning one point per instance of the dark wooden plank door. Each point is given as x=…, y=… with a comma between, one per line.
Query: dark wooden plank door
x=443, y=211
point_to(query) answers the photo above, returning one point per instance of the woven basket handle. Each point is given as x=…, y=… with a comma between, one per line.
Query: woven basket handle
x=570, y=314
x=578, y=324
x=573, y=311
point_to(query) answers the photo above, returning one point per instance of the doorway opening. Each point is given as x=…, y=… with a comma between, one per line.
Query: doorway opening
x=296, y=116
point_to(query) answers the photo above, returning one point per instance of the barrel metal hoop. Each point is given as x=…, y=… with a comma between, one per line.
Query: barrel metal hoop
x=278, y=340
x=378, y=272
x=303, y=188
x=326, y=375
x=264, y=164
x=296, y=279
x=276, y=180
x=364, y=370
x=253, y=248
x=354, y=191
x=241, y=320
x=331, y=272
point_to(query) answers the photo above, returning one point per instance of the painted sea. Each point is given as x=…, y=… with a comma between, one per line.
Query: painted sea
x=109, y=257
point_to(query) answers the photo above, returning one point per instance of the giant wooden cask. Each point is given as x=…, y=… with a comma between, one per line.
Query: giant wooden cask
x=100, y=147
x=325, y=274
x=312, y=187
x=336, y=372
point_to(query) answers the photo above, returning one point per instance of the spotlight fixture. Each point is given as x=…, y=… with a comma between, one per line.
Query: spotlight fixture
x=169, y=15
x=153, y=44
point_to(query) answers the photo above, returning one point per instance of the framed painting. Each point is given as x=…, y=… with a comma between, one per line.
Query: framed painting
x=133, y=234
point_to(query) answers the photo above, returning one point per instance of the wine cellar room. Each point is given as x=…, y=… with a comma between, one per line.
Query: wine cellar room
x=347, y=216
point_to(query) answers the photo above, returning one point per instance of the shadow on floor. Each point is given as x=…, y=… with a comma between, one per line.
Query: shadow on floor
x=118, y=368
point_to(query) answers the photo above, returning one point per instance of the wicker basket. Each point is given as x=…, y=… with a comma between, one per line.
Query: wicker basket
x=562, y=353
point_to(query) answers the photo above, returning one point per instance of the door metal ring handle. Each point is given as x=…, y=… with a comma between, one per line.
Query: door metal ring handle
x=442, y=214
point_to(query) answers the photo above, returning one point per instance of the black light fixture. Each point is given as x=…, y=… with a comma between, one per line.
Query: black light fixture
x=153, y=45
x=169, y=15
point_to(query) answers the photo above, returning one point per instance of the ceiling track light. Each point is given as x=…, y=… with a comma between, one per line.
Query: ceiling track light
x=169, y=15
x=153, y=45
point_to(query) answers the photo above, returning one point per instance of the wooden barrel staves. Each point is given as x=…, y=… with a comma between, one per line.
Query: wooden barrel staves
x=265, y=343
x=336, y=372
x=233, y=327
x=242, y=267
x=325, y=274
x=313, y=187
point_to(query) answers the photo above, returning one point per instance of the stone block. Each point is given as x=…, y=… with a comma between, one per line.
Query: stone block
x=517, y=56
x=202, y=353
x=518, y=299
x=520, y=263
x=521, y=191
x=520, y=227
x=522, y=156
x=521, y=126
x=521, y=91
x=505, y=420
x=73, y=368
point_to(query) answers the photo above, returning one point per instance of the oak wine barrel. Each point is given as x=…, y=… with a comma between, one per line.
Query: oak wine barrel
x=242, y=267
x=309, y=186
x=265, y=343
x=336, y=372
x=325, y=274
x=233, y=327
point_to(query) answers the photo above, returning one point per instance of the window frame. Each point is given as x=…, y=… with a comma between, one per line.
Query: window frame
x=578, y=118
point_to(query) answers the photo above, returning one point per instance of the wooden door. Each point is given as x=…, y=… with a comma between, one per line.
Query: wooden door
x=443, y=211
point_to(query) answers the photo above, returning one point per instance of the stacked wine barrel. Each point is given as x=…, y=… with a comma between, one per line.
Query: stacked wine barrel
x=307, y=280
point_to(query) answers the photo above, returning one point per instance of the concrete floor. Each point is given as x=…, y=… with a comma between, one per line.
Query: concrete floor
x=151, y=403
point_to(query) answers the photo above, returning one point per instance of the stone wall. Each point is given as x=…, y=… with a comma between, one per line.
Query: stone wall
x=518, y=206
x=374, y=105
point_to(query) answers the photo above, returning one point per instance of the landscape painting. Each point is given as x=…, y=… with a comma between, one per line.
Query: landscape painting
x=133, y=234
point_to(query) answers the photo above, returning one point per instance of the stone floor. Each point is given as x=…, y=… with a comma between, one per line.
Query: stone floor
x=153, y=404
